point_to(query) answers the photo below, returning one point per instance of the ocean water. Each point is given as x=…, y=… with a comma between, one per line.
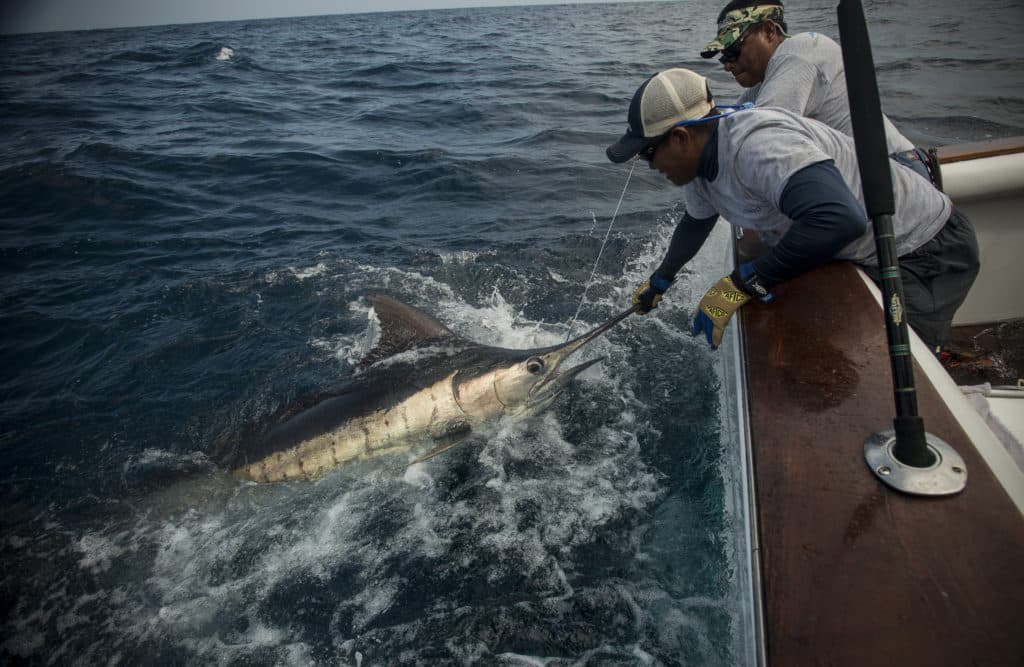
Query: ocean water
x=191, y=218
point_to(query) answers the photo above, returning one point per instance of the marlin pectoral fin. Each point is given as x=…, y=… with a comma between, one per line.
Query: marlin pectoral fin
x=450, y=438
x=434, y=452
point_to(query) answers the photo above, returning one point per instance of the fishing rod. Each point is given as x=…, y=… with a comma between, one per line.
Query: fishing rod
x=907, y=458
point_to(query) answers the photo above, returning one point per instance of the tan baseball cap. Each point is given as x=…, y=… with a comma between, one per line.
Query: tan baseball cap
x=665, y=99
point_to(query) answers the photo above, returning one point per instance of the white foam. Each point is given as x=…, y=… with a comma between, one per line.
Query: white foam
x=154, y=456
x=373, y=601
x=300, y=273
x=526, y=660
x=557, y=277
x=458, y=256
x=309, y=272
x=499, y=324
x=225, y=53
x=97, y=552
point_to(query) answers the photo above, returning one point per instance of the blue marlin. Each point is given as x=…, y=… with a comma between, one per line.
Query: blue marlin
x=420, y=383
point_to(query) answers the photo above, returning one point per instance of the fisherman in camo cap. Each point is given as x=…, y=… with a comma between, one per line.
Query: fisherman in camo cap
x=802, y=73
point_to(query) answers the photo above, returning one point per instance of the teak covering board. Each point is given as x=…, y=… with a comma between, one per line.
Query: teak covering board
x=855, y=573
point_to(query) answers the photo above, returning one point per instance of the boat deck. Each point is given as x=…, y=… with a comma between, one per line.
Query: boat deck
x=853, y=572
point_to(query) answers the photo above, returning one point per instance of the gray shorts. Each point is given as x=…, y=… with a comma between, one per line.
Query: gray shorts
x=936, y=278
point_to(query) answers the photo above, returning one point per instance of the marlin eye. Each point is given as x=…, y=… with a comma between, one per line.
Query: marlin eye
x=535, y=365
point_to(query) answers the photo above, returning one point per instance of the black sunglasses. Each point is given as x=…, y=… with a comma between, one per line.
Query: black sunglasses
x=647, y=153
x=731, y=53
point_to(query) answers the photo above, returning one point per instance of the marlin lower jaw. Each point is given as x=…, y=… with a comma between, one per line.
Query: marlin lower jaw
x=549, y=388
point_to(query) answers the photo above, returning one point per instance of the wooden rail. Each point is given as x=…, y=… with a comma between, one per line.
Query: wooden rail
x=855, y=573
x=959, y=152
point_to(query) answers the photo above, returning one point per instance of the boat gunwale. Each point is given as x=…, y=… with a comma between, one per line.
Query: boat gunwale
x=980, y=149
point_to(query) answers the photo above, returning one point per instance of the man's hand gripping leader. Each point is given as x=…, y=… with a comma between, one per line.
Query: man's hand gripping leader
x=715, y=310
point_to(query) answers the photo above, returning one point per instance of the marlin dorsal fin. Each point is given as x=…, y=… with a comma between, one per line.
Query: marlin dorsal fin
x=402, y=327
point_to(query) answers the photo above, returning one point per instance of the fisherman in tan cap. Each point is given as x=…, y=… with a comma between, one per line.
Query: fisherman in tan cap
x=795, y=181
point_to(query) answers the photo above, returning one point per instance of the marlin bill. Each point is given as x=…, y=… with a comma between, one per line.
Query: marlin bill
x=420, y=383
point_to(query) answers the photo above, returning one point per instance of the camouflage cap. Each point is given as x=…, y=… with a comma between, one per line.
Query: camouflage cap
x=732, y=26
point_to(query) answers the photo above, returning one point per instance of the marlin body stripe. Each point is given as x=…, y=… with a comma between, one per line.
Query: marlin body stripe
x=384, y=431
x=421, y=383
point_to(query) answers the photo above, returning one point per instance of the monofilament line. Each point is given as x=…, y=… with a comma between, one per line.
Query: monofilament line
x=593, y=272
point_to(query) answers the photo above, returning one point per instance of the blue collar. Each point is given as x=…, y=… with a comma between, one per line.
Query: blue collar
x=708, y=166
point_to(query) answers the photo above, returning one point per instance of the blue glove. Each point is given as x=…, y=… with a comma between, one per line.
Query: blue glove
x=648, y=294
x=725, y=298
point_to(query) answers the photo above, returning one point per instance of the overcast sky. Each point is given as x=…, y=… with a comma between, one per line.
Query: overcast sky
x=18, y=16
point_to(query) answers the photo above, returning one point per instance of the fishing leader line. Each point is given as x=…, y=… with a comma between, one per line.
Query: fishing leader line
x=593, y=272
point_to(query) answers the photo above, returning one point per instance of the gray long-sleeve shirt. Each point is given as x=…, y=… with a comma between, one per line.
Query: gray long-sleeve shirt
x=806, y=76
